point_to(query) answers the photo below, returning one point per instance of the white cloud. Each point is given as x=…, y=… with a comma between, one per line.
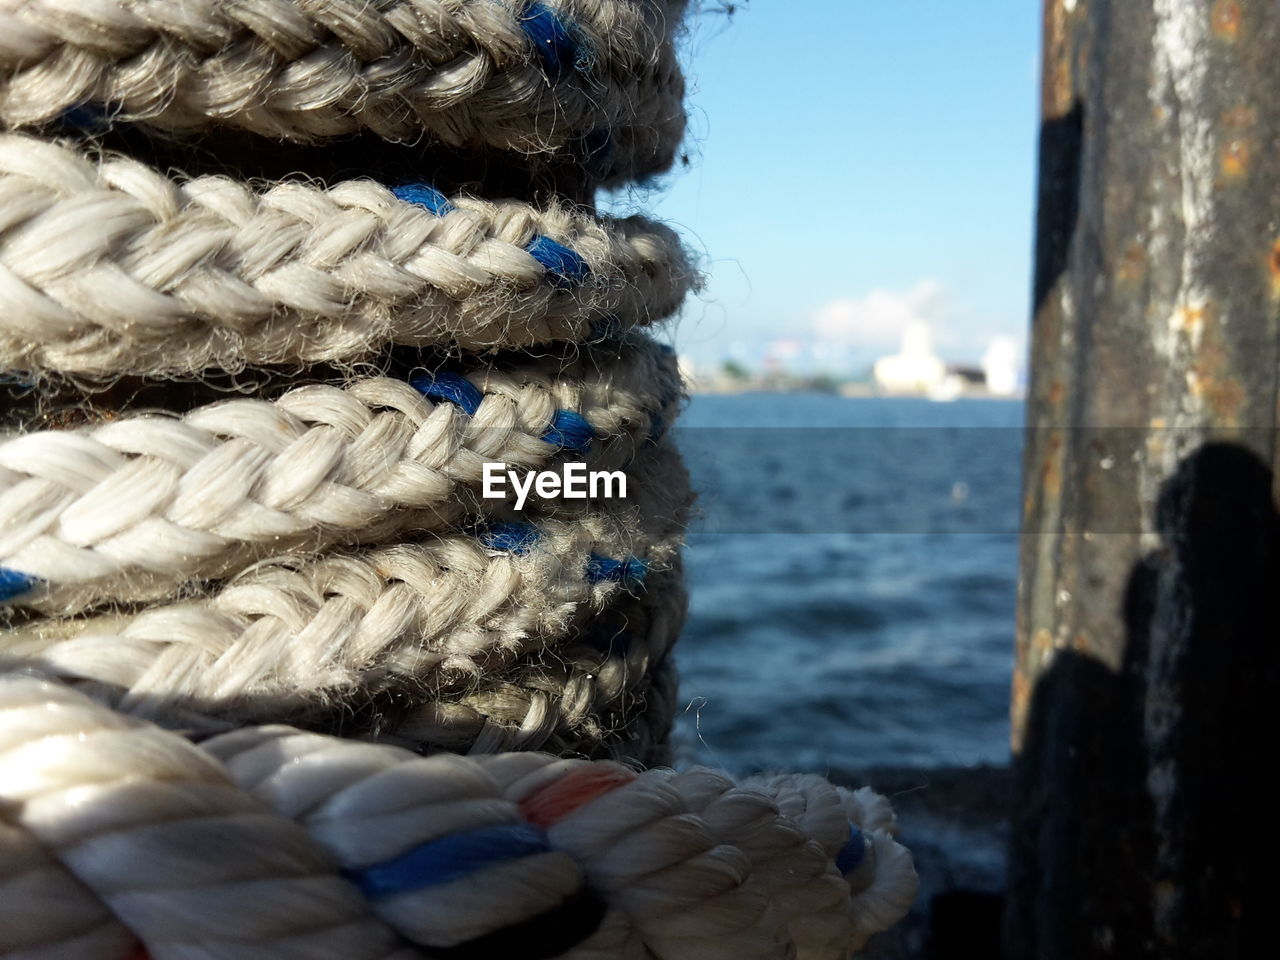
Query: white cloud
x=879, y=318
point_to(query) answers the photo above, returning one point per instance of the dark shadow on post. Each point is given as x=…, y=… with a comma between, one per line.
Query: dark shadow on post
x=1211, y=710
x=1081, y=849
x=1061, y=154
x=1141, y=824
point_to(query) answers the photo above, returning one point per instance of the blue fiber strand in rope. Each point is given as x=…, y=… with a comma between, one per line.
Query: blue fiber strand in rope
x=850, y=856
x=14, y=584
x=570, y=431
x=551, y=39
x=425, y=196
x=600, y=569
x=564, y=264
x=510, y=536
x=87, y=117
x=453, y=387
x=449, y=858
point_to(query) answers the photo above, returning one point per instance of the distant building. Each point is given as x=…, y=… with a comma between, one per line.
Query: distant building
x=1002, y=363
x=916, y=369
x=973, y=378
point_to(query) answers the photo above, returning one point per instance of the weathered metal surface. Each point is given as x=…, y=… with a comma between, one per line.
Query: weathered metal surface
x=1147, y=647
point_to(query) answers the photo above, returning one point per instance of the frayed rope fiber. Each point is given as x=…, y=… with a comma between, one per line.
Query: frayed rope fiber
x=280, y=675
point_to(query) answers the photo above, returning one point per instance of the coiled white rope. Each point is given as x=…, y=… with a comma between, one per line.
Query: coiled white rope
x=351, y=623
x=134, y=508
x=123, y=806
x=605, y=689
x=114, y=268
x=608, y=690
x=321, y=557
x=333, y=848
x=534, y=77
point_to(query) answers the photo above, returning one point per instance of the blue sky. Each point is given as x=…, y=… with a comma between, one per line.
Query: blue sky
x=857, y=164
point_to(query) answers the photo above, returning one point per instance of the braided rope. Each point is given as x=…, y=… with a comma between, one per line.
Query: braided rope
x=532, y=77
x=352, y=623
x=334, y=848
x=116, y=268
x=323, y=558
x=134, y=508
x=608, y=692
x=605, y=689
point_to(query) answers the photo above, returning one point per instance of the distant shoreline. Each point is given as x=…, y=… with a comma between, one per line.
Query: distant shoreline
x=851, y=391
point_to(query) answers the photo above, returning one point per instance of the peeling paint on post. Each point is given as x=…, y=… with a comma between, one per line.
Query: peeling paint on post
x=1145, y=692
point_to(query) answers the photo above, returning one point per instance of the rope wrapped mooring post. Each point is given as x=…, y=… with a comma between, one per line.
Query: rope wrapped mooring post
x=281, y=283
x=1145, y=694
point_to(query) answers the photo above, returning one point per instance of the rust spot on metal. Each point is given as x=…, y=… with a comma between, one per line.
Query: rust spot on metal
x=1273, y=262
x=1133, y=265
x=1057, y=86
x=1057, y=393
x=1155, y=438
x=1042, y=641
x=1032, y=661
x=1223, y=395
x=1019, y=708
x=1240, y=118
x=1190, y=319
x=1050, y=475
x=1226, y=17
x=1210, y=377
x=1022, y=686
x=1234, y=159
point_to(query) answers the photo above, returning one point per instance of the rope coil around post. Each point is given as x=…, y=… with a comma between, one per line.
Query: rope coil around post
x=348, y=624
x=134, y=508
x=595, y=77
x=115, y=268
x=272, y=669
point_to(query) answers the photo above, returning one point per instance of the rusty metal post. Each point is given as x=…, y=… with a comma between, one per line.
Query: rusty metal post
x=1145, y=693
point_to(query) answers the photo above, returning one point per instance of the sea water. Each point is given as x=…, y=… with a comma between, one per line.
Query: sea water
x=853, y=568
